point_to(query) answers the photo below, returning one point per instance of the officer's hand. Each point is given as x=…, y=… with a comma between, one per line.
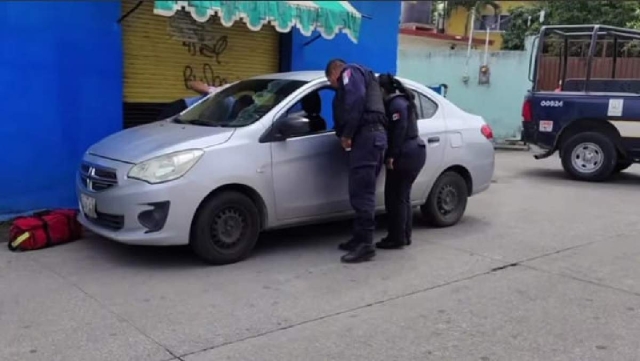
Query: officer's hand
x=346, y=143
x=389, y=163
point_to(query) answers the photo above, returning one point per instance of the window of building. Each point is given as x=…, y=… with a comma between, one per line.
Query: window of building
x=492, y=22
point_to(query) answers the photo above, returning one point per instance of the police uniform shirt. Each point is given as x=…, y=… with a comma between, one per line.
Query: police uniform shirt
x=399, y=123
x=350, y=100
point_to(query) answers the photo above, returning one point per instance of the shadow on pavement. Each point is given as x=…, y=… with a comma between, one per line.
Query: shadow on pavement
x=290, y=241
x=623, y=178
x=307, y=238
x=143, y=256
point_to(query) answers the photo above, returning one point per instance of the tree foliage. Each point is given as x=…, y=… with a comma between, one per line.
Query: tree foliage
x=525, y=20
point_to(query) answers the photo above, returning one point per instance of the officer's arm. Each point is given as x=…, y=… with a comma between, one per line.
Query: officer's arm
x=200, y=87
x=354, y=100
x=400, y=120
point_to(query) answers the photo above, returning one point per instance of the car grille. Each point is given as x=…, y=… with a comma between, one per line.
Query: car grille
x=96, y=178
x=111, y=221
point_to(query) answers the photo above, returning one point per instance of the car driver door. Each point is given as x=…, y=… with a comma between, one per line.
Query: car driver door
x=309, y=167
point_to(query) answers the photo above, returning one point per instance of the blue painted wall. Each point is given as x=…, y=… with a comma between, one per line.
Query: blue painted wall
x=61, y=76
x=377, y=46
x=63, y=64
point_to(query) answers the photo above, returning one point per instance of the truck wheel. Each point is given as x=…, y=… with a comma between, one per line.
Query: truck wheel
x=226, y=228
x=589, y=157
x=622, y=165
x=447, y=200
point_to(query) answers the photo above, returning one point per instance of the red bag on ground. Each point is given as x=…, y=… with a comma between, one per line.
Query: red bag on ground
x=44, y=229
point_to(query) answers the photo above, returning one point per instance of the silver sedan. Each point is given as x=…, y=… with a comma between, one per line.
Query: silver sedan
x=260, y=154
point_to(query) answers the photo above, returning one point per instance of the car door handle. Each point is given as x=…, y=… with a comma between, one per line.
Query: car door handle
x=432, y=140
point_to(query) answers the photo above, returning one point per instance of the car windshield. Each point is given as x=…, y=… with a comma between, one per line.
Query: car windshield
x=240, y=104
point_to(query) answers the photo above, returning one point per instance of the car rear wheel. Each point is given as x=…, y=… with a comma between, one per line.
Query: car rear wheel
x=226, y=228
x=447, y=200
x=589, y=157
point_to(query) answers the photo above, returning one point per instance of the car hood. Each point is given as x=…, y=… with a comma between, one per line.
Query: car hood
x=140, y=143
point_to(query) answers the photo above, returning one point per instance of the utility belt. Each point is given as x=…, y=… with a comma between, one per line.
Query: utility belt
x=375, y=122
x=372, y=127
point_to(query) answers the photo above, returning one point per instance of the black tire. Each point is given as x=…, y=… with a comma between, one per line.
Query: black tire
x=621, y=166
x=241, y=221
x=605, y=150
x=438, y=210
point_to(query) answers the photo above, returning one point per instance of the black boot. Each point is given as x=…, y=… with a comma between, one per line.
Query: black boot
x=348, y=246
x=408, y=242
x=362, y=253
x=386, y=243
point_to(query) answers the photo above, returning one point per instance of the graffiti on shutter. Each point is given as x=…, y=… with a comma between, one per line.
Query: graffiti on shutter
x=199, y=40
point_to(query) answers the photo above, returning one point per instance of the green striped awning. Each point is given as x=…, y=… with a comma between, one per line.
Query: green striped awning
x=328, y=17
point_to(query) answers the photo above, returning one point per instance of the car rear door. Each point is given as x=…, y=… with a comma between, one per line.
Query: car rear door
x=433, y=130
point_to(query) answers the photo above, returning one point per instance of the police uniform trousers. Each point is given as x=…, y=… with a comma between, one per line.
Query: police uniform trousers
x=365, y=163
x=397, y=189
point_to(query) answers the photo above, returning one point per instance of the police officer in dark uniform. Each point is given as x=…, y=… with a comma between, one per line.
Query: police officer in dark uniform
x=360, y=120
x=404, y=160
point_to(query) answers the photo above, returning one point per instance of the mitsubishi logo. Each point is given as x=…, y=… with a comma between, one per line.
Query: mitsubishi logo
x=90, y=173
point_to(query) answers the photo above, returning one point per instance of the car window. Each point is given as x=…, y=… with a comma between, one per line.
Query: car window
x=240, y=104
x=417, y=101
x=428, y=107
x=318, y=110
x=326, y=95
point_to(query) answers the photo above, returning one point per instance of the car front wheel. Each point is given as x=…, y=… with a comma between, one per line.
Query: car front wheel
x=226, y=228
x=447, y=200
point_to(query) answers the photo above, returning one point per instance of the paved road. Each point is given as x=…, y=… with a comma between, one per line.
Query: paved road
x=541, y=268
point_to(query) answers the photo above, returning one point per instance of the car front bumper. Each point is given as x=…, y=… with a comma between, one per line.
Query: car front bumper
x=138, y=213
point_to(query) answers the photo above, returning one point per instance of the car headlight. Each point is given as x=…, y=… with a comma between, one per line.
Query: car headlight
x=165, y=167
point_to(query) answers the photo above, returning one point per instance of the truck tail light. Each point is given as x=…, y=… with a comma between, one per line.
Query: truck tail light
x=527, y=116
x=486, y=131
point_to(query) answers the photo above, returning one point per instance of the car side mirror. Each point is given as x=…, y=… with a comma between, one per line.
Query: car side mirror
x=291, y=126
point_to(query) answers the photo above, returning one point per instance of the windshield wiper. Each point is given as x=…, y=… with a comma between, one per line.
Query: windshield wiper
x=193, y=122
x=201, y=122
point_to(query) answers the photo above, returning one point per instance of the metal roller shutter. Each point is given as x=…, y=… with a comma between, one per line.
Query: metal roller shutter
x=162, y=54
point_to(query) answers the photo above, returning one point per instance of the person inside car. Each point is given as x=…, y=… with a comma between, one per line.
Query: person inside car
x=179, y=105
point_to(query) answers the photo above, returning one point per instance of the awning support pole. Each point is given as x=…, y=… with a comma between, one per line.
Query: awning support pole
x=318, y=36
x=126, y=15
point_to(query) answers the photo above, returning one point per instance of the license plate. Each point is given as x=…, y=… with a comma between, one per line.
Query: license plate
x=88, y=205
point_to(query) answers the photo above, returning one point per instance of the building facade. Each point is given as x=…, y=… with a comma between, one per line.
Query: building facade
x=459, y=21
x=80, y=71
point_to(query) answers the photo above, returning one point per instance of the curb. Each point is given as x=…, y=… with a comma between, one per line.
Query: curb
x=4, y=232
x=511, y=145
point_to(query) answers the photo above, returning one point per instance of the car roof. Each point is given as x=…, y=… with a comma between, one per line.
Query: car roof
x=315, y=75
x=311, y=75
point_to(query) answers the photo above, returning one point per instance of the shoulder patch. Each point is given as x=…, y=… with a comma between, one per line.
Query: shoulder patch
x=345, y=76
x=395, y=116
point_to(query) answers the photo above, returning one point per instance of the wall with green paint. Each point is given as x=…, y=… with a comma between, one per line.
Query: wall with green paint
x=499, y=102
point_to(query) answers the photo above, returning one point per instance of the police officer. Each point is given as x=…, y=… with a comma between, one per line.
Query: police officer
x=360, y=120
x=404, y=161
